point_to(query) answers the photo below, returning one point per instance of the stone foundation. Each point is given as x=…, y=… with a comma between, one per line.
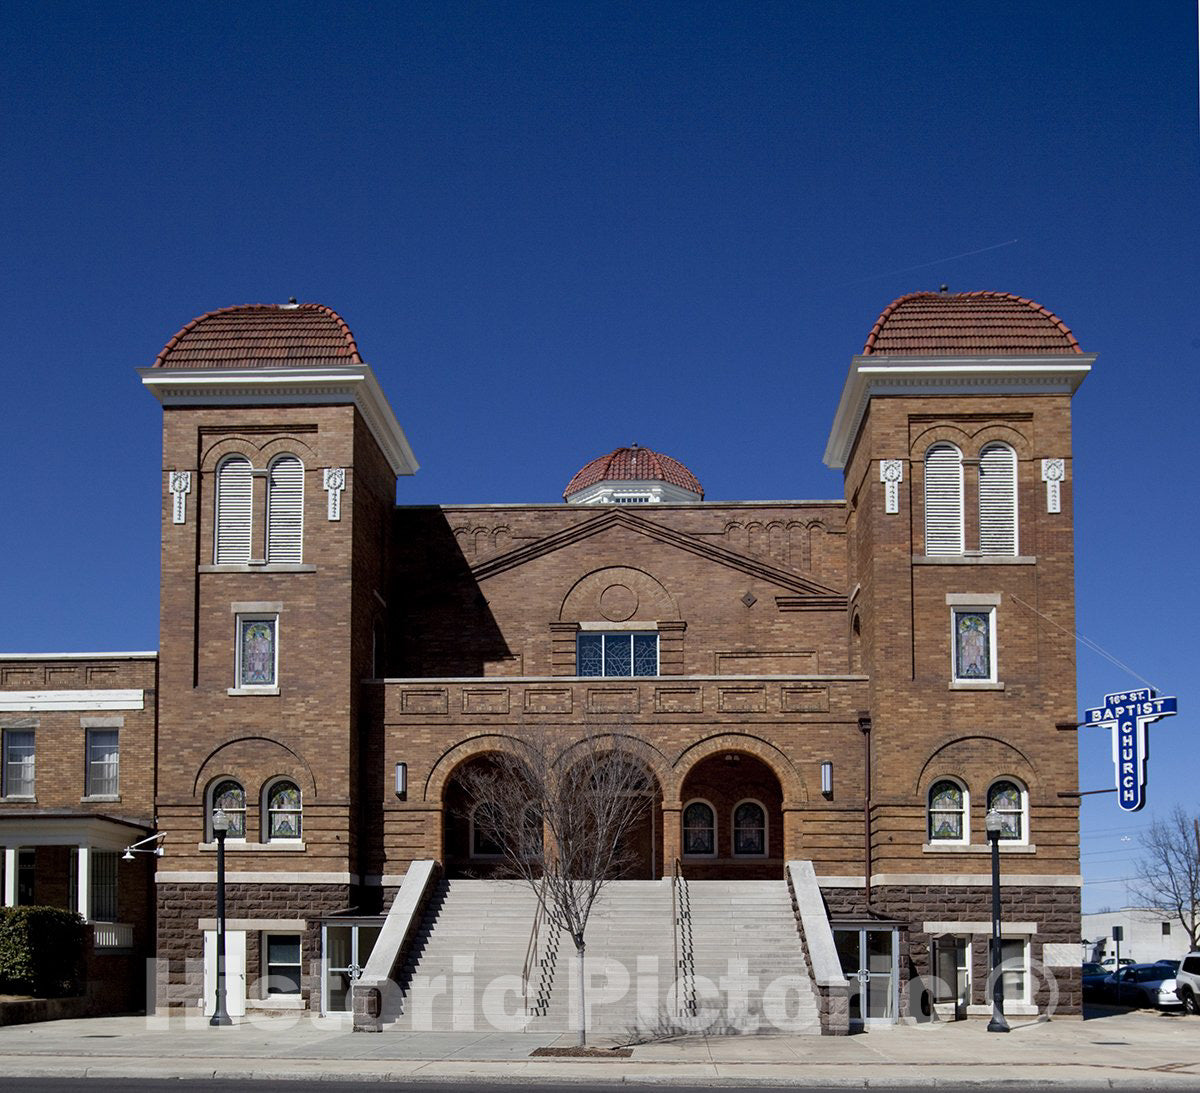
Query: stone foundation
x=1055, y=988
x=181, y=907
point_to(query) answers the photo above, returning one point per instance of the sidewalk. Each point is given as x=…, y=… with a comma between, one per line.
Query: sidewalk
x=1135, y=1050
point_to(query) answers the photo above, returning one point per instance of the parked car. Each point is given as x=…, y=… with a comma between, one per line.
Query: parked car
x=1188, y=982
x=1110, y=962
x=1093, y=981
x=1142, y=985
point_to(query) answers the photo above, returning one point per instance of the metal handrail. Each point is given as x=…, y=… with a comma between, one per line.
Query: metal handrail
x=531, y=949
x=678, y=880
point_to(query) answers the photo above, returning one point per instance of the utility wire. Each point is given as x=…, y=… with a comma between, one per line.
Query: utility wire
x=1086, y=642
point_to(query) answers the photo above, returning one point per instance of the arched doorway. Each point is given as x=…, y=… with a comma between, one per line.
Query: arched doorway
x=469, y=841
x=731, y=822
x=468, y=846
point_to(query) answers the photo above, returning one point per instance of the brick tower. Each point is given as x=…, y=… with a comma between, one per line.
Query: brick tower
x=280, y=457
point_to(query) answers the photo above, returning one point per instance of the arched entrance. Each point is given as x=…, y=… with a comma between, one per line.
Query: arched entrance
x=468, y=850
x=469, y=841
x=731, y=823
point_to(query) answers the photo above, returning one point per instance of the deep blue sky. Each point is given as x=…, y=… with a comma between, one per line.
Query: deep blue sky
x=558, y=228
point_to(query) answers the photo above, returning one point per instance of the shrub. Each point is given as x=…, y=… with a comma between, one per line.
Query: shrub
x=41, y=951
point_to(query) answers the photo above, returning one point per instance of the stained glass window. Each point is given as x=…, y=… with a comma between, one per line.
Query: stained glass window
x=699, y=829
x=946, y=811
x=283, y=811
x=589, y=651
x=256, y=652
x=972, y=645
x=230, y=798
x=1006, y=798
x=749, y=829
x=617, y=654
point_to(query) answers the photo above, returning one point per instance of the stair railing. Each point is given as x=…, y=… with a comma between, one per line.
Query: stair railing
x=532, y=950
x=685, y=968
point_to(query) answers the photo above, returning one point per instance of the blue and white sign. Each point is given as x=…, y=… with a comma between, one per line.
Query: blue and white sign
x=1126, y=714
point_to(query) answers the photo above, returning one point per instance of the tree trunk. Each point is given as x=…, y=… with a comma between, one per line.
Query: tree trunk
x=579, y=947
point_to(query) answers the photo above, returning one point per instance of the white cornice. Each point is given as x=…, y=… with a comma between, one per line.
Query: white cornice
x=654, y=490
x=141, y=655
x=336, y=385
x=874, y=375
x=34, y=701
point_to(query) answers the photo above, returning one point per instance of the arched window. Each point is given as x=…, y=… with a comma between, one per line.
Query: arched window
x=998, y=500
x=284, y=812
x=485, y=832
x=948, y=812
x=749, y=830
x=285, y=510
x=1010, y=800
x=943, y=500
x=230, y=798
x=699, y=830
x=235, y=502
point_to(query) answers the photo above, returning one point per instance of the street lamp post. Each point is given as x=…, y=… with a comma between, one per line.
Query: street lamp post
x=220, y=826
x=994, y=823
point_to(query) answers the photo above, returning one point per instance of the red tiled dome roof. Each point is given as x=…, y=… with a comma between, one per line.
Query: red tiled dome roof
x=932, y=324
x=262, y=336
x=634, y=464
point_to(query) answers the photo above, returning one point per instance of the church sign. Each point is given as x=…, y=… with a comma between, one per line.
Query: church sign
x=1126, y=714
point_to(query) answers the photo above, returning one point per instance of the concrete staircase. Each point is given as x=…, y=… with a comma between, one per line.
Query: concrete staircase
x=730, y=943
x=463, y=970
x=745, y=934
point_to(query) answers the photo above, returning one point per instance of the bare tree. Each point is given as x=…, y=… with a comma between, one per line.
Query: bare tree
x=561, y=817
x=1168, y=875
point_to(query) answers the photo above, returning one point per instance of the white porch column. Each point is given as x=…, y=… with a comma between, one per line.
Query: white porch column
x=83, y=886
x=10, y=876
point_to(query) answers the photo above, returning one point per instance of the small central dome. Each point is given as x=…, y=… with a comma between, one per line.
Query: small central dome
x=633, y=475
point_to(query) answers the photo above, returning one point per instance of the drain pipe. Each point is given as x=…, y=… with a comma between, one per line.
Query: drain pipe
x=864, y=726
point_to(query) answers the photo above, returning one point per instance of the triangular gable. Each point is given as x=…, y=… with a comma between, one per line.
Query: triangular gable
x=618, y=517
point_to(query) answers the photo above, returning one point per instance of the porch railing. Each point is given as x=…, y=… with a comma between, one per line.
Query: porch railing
x=112, y=935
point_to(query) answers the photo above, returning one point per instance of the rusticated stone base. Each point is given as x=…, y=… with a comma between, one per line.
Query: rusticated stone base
x=1055, y=990
x=181, y=941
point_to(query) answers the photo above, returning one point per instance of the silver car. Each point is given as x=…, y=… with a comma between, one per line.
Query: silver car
x=1142, y=985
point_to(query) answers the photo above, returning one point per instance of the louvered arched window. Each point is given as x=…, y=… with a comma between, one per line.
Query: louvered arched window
x=998, y=500
x=943, y=500
x=235, y=499
x=285, y=510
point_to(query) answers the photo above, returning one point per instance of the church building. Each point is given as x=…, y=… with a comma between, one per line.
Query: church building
x=829, y=695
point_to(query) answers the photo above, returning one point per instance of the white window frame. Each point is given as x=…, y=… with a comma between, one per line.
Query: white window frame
x=973, y=608
x=278, y=552
x=239, y=687
x=89, y=785
x=217, y=513
x=959, y=548
x=265, y=991
x=948, y=1004
x=683, y=850
x=966, y=812
x=984, y=501
x=1024, y=792
x=209, y=805
x=6, y=766
x=1024, y=971
x=265, y=811
x=766, y=828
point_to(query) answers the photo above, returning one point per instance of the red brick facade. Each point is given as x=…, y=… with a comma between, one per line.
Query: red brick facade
x=790, y=634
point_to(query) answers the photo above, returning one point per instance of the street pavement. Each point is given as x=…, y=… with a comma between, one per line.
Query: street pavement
x=1141, y=1050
